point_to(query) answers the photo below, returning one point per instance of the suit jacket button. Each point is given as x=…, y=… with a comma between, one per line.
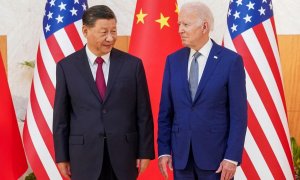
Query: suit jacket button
x=104, y=111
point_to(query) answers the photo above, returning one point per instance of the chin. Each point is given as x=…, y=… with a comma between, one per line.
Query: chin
x=184, y=44
x=107, y=50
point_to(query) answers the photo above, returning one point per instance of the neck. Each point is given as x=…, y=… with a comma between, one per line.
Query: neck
x=95, y=51
x=201, y=43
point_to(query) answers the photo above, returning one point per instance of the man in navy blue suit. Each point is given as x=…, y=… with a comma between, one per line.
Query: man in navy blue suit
x=203, y=110
x=102, y=126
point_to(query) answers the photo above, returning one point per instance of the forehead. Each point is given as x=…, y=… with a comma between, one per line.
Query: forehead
x=189, y=15
x=105, y=23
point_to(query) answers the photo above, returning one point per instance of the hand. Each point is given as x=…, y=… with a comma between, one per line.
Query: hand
x=142, y=164
x=228, y=170
x=162, y=164
x=65, y=170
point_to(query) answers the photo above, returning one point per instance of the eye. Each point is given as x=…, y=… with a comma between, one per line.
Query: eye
x=183, y=24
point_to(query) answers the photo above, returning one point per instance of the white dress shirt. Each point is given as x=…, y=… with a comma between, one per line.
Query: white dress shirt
x=93, y=65
x=202, y=59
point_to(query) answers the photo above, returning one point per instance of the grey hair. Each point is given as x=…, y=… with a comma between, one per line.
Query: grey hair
x=203, y=11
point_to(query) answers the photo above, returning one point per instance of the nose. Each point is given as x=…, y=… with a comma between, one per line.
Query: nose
x=180, y=29
x=109, y=37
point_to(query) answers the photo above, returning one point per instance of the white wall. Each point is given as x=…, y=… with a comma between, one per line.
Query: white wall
x=21, y=21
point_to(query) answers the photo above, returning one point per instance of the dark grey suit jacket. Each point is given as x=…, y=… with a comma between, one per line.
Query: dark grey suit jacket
x=81, y=119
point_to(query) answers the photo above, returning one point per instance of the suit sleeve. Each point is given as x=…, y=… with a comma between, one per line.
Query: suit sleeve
x=165, y=115
x=238, y=111
x=61, y=117
x=144, y=116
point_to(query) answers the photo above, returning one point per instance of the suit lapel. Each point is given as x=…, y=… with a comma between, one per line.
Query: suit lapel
x=82, y=64
x=212, y=61
x=183, y=65
x=114, y=69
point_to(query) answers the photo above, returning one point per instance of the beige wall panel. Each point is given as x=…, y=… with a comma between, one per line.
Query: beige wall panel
x=3, y=50
x=289, y=48
x=122, y=43
x=294, y=126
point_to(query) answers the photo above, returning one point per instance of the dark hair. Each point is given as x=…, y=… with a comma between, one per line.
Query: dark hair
x=97, y=12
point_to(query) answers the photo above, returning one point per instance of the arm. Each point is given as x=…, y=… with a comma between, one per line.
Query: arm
x=165, y=124
x=238, y=111
x=165, y=115
x=61, y=117
x=238, y=119
x=144, y=121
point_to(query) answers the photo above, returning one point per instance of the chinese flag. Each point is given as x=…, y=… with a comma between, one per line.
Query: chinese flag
x=12, y=156
x=154, y=36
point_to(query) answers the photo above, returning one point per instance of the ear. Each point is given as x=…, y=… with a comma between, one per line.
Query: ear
x=84, y=30
x=205, y=27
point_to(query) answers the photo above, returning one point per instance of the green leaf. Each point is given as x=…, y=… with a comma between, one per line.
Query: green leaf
x=296, y=155
x=30, y=64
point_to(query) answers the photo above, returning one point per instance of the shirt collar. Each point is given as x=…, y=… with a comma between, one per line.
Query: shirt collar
x=92, y=57
x=204, y=50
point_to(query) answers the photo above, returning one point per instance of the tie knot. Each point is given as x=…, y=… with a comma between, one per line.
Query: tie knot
x=196, y=55
x=99, y=61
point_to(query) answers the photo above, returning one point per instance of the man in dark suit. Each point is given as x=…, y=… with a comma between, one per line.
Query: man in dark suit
x=203, y=110
x=103, y=126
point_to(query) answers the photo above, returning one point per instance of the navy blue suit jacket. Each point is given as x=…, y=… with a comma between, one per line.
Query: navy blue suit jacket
x=214, y=125
x=81, y=119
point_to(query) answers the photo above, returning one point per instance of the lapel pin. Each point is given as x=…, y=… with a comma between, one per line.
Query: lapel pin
x=215, y=57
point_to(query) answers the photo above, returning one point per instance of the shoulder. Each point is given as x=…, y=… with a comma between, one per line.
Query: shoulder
x=70, y=59
x=129, y=62
x=223, y=51
x=226, y=55
x=118, y=54
x=178, y=56
x=127, y=59
x=180, y=52
x=230, y=53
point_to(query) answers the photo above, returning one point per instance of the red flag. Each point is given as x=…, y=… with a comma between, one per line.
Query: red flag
x=251, y=33
x=154, y=36
x=12, y=156
x=61, y=36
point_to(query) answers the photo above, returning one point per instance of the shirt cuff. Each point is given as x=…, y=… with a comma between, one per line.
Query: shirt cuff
x=234, y=162
x=164, y=155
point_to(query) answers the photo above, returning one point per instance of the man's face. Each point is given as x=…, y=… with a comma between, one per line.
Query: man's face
x=192, y=31
x=102, y=36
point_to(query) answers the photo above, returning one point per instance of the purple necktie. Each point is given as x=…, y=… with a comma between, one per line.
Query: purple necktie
x=100, y=81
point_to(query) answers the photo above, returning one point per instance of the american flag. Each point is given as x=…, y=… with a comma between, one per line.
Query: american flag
x=61, y=37
x=251, y=32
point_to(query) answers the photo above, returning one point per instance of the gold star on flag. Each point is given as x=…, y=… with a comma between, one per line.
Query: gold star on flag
x=163, y=21
x=177, y=9
x=141, y=16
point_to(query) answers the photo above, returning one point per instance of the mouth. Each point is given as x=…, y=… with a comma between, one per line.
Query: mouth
x=183, y=39
x=108, y=45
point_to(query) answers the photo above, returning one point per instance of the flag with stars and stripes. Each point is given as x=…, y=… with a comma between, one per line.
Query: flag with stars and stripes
x=154, y=36
x=61, y=37
x=251, y=33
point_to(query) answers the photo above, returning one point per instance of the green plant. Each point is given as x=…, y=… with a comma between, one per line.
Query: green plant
x=30, y=176
x=30, y=64
x=296, y=157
